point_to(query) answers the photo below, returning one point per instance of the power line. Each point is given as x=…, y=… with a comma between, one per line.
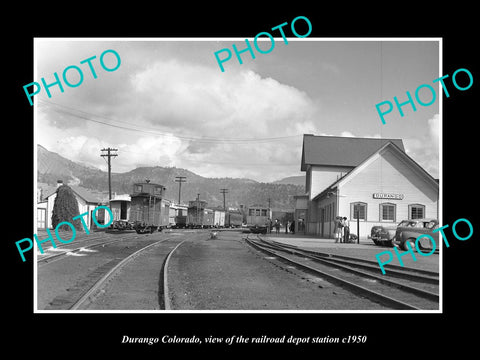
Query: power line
x=90, y=117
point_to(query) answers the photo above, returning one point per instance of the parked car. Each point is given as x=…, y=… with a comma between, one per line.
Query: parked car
x=409, y=230
x=383, y=235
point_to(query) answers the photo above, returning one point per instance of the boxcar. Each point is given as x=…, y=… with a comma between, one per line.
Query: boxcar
x=219, y=218
x=178, y=216
x=148, y=210
x=198, y=216
x=233, y=219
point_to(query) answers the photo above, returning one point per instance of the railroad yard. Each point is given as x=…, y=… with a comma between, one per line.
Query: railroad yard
x=192, y=270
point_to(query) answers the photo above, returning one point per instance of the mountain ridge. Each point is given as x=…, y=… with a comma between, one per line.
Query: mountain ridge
x=241, y=191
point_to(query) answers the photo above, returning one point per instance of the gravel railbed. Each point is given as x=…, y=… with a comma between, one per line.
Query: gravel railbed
x=227, y=274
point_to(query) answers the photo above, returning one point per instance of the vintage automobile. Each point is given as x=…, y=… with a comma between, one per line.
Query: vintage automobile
x=383, y=235
x=409, y=230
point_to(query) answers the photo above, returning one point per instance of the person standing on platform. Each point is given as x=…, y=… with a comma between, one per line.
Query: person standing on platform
x=338, y=229
x=268, y=226
x=286, y=227
x=277, y=226
x=346, y=230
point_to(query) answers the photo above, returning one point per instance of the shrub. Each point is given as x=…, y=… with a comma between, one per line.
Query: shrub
x=65, y=208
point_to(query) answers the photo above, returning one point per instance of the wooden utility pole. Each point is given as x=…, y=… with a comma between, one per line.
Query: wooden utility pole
x=180, y=180
x=198, y=205
x=224, y=191
x=109, y=155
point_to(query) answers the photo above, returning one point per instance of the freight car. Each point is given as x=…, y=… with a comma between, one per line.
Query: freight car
x=149, y=211
x=198, y=216
x=178, y=216
x=219, y=218
x=233, y=219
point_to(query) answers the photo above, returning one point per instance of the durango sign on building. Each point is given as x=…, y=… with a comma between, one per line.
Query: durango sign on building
x=369, y=178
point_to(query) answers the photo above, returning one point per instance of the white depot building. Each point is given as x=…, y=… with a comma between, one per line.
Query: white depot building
x=371, y=179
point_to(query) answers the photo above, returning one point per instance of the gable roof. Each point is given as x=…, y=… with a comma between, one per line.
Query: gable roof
x=88, y=195
x=393, y=147
x=340, y=150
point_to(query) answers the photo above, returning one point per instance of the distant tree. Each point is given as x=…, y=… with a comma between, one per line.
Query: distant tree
x=65, y=208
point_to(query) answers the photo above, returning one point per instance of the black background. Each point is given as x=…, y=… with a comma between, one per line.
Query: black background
x=60, y=335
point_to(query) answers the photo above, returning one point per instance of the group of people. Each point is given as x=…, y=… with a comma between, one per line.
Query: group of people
x=342, y=229
x=288, y=226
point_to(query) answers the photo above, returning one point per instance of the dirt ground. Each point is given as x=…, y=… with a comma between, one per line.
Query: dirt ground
x=227, y=274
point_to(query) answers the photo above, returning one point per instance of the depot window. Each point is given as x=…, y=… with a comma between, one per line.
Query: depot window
x=251, y=212
x=416, y=211
x=358, y=209
x=387, y=212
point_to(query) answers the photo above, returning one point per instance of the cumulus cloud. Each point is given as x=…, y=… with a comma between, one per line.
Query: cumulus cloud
x=196, y=99
x=425, y=149
x=204, y=119
x=223, y=112
x=144, y=151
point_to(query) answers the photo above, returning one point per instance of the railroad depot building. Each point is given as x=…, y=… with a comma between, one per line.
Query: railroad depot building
x=371, y=179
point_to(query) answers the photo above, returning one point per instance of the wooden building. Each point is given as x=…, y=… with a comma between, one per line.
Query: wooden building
x=87, y=202
x=371, y=179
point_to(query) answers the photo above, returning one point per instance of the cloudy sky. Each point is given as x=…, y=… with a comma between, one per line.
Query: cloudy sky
x=169, y=104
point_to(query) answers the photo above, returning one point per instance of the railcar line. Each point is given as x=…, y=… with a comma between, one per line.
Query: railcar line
x=384, y=291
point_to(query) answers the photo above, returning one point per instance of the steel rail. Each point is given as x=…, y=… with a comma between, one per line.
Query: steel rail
x=336, y=257
x=47, y=258
x=166, y=291
x=398, y=272
x=380, y=278
x=384, y=299
x=98, y=284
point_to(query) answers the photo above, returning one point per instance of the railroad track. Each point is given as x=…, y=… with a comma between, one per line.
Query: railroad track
x=400, y=289
x=396, y=271
x=47, y=259
x=84, y=293
x=82, y=242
